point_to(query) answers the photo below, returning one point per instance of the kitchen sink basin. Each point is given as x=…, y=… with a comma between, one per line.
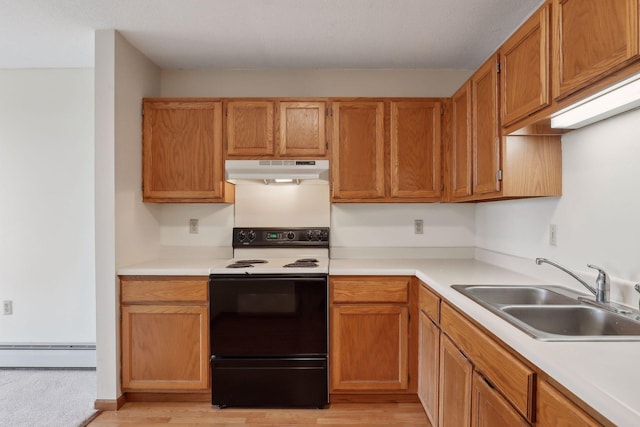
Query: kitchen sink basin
x=526, y=295
x=574, y=320
x=555, y=313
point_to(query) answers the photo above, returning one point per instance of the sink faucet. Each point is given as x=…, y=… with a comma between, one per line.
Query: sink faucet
x=602, y=289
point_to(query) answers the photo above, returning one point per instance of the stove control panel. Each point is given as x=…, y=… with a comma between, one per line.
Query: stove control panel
x=281, y=237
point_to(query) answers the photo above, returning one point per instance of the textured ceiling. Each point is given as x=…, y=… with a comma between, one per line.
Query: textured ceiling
x=189, y=34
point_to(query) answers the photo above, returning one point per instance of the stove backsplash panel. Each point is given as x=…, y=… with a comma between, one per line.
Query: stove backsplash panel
x=282, y=205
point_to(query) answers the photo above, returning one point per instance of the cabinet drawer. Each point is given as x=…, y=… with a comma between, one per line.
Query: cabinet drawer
x=514, y=379
x=163, y=289
x=429, y=302
x=374, y=289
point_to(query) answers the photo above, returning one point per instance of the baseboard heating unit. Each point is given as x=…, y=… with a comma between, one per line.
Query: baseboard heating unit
x=47, y=356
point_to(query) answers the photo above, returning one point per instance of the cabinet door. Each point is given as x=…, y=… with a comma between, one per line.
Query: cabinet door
x=302, y=129
x=358, y=150
x=489, y=409
x=590, y=40
x=369, y=347
x=461, y=150
x=455, y=386
x=429, y=356
x=415, y=150
x=182, y=151
x=553, y=409
x=524, y=70
x=486, y=128
x=249, y=128
x=165, y=347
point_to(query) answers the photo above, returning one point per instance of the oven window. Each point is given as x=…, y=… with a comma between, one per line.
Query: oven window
x=258, y=316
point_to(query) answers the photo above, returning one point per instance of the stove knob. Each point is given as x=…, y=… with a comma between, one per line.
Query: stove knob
x=324, y=235
x=318, y=234
x=242, y=235
x=310, y=235
x=252, y=235
x=291, y=235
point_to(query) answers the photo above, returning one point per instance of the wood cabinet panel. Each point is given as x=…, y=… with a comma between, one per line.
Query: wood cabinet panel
x=182, y=152
x=429, y=303
x=388, y=289
x=489, y=409
x=461, y=144
x=512, y=377
x=357, y=166
x=580, y=58
x=524, y=68
x=249, y=129
x=302, y=129
x=164, y=289
x=454, y=387
x=553, y=409
x=415, y=149
x=165, y=347
x=369, y=347
x=428, y=368
x=485, y=128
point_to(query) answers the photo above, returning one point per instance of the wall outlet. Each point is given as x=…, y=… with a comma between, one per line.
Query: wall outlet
x=418, y=226
x=7, y=307
x=193, y=226
x=553, y=235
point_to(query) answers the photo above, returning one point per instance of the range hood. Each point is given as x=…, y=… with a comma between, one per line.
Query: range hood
x=276, y=170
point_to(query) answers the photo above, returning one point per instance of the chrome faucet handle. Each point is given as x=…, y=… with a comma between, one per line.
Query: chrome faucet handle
x=602, y=284
x=637, y=288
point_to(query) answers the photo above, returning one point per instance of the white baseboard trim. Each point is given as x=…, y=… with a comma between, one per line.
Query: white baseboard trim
x=47, y=356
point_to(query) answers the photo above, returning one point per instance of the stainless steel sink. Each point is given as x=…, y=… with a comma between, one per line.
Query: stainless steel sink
x=526, y=295
x=554, y=313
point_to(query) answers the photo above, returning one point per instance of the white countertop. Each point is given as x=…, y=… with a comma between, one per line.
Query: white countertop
x=603, y=374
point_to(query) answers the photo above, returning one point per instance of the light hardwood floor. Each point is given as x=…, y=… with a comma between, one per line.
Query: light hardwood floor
x=201, y=414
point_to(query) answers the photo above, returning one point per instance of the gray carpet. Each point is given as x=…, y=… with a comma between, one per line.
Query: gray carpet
x=43, y=397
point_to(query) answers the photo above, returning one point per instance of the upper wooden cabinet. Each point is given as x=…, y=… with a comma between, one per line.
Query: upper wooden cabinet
x=591, y=39
x=249, y=130
x=357, y=166
x=371, y=164
x=276, y=129
x=461, y=147
x=524, y=68
x=302, y=129
x=485, y=129
x=182, y=157
x=415, y=150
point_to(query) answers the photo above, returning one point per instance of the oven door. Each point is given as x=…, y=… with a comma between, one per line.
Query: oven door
x=268, y=315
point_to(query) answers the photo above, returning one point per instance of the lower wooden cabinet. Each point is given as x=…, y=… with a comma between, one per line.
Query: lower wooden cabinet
x=164, y=334
x=370, y=334
x=428, y=352
x=553, y=409
x=455, y=386
x=488, y=407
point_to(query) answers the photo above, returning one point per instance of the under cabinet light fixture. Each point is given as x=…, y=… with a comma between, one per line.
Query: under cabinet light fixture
x=621, y=97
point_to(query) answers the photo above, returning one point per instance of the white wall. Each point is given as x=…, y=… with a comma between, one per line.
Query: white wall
x=126, y=229
x=46, y=206
x=308, y=83
x=597, y=216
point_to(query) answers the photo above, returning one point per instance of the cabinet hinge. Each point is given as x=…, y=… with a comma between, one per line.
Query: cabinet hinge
x=329, y=112
x=326, y=145
x=226, y=112
x=441, y=187
x=142, y=111
x=442, y=111
x=499, y=174
x=498, y=67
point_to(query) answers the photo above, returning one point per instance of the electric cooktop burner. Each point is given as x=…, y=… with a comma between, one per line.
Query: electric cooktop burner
x=303, y=263
x=246, y=263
